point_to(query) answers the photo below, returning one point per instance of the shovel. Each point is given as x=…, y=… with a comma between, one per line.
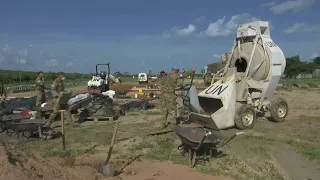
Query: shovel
x=105, y=168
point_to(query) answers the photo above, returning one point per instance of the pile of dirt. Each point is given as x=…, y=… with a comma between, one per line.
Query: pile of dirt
x=122, y=87
x=147, y=170
x=21, y=166
x=37, y=168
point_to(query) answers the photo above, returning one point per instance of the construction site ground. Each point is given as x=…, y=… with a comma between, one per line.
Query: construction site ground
x=272, y=151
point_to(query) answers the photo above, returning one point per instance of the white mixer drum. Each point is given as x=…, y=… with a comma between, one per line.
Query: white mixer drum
x=260, y=65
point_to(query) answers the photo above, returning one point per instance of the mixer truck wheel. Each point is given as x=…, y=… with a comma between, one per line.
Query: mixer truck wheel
x=245, y=117
x=279, y=110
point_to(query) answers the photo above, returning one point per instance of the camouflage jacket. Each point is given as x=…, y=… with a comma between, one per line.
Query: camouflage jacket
x=162, y=82
x=171, y=83
x=57, y=88
x=208, y=77
x=40, y=86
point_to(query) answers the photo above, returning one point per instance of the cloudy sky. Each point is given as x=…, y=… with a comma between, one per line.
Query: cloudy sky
x=137, y=35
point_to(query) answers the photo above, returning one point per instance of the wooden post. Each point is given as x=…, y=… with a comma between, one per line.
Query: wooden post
x=62, y=129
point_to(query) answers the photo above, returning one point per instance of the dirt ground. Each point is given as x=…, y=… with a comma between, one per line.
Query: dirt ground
x=271, y=151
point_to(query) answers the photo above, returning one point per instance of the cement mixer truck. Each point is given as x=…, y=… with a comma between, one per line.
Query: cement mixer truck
x=246, y=88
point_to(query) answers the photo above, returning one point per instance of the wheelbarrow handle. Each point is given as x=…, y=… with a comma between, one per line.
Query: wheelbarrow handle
x=232, y=137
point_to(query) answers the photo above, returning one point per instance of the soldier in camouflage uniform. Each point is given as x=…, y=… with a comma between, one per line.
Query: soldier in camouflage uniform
x=3, y=92
x=170, y=96
x=207, y=79
x=57, y=88
x=40, y=87
x=149, y=79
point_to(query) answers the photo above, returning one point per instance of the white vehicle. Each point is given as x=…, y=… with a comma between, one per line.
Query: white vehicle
x=249, y=79
x=142, y=78
x=99, y=82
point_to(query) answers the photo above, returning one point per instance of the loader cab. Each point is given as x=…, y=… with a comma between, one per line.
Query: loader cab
x=103, y=74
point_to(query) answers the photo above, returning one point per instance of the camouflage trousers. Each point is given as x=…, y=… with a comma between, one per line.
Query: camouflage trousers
x=169, y=109
x=41, y=98
x=56, y=107
x=3, y=95
x=207, y=82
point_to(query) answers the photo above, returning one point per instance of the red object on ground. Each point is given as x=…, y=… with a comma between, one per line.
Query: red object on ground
x=25, y=112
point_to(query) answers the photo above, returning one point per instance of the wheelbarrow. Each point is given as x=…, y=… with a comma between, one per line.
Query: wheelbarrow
x=199, y=143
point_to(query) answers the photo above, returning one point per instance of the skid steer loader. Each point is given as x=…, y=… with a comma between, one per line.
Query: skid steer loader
x=253, y=69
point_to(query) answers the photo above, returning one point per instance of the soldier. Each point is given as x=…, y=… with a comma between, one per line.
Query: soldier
x=57, y=88
x=170, y=96
x=3, y=92
x=40, y=87
x=161, y=83
x=149, y=79
x=207, y=78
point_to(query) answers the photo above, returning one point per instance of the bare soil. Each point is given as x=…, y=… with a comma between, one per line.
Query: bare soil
x=287, y=150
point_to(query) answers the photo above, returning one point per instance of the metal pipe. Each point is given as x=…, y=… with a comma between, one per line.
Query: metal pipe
x=251, y=56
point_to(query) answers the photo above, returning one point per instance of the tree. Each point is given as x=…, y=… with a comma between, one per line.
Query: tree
x=316, y=60
x=294, y=67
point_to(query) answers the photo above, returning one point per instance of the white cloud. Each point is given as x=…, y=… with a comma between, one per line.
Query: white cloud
x=269, y=4
x=6, y=48
x=142, y=63
x=289, y=6
x=69, y=64
x=314, y=55
x=1, y=58
x=21, y=60
x=302, y=27
x=225, y=28
x=216, y=56
x=52, y=63
x=185, y=32
x=201, y=18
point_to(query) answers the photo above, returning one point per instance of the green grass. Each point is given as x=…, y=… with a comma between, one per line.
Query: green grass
x=164, y=149
x=79, y=140
x=161, y=149
x=310, y=151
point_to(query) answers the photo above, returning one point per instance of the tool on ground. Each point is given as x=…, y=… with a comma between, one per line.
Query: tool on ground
x=129, y=162
x=62, y=129
x=105, y=168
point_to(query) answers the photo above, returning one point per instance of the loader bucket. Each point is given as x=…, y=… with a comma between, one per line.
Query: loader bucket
x=214, y=107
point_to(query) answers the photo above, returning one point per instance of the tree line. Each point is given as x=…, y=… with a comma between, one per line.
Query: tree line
x=10, y=76
x=295, y=66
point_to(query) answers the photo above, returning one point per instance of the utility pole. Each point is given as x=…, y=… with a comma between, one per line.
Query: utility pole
x=19, y=66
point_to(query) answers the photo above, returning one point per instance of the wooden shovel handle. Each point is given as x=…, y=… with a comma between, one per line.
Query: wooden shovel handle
x=112, y=142
x=114, y=134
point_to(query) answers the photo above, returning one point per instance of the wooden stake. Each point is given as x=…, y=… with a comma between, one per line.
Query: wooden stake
x=62, y=129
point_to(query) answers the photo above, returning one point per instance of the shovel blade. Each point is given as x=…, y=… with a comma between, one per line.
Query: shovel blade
x=107, y=170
